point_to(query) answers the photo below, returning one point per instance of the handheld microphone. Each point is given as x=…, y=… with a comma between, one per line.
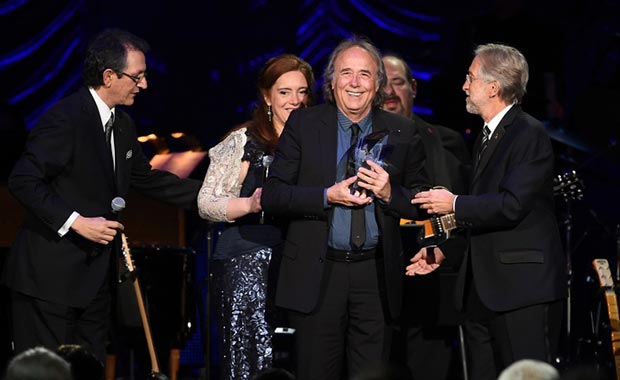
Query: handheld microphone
x=267, y=160
x=118, y=205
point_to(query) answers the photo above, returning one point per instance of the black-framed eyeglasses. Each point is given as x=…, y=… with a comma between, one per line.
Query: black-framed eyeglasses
x=135, y=78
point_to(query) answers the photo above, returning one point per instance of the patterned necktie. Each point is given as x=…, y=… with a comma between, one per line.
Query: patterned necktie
x=486, y=133
x=108, y=137
x=108, y=131
x=358, y=218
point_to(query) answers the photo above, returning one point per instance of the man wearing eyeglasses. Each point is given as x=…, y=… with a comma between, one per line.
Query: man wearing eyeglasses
x=82, y=154
x=513, y=279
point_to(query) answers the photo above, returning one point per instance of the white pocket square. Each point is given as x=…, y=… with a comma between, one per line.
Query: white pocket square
x=129, y=154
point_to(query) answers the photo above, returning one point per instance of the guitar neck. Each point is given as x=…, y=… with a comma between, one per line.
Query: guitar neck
x=146, y=326
x=141, y=306
x=438, y=225
x=448, y=222
x=614, y=322
x=601, y=266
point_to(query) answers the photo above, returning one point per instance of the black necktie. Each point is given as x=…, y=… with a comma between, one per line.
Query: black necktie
x=358, y=219
x=486, y=133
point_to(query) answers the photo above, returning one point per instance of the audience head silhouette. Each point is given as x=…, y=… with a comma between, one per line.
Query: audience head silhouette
x=385, y=371
x=274, y=374
x=38, y=363
x=528, y=369
x=84, y=365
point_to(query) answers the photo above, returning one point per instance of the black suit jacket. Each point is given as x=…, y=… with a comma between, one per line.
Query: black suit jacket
x=448, y=161
x=514, y=243
x=304, y=166
x=448, y=164
x=67, y=167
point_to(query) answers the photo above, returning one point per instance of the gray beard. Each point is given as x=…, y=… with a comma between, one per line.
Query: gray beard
x=472, y=108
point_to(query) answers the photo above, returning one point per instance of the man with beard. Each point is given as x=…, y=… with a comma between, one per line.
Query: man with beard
x=427, y=336
x=513, y=278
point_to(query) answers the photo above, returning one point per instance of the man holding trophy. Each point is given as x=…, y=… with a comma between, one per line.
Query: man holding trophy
x=343, y=175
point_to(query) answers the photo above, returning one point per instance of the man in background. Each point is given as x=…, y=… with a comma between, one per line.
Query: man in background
x=82, y=153
x=428, y=334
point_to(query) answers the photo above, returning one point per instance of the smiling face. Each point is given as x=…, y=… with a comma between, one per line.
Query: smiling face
x=289, y=92
x=399, y=91
x=122, y=89
x=355, y=82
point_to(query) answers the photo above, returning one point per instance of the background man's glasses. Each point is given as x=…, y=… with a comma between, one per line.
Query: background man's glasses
x=135, y=78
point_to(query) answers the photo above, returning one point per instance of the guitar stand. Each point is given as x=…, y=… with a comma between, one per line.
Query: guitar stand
x=206, y=319
x=593, y=343
x=574, y=192
x=463, y=352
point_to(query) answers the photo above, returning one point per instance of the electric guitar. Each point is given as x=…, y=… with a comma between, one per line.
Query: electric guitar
x=607, y=284
x=437, y=228
x=434, y=230
x=155, y=374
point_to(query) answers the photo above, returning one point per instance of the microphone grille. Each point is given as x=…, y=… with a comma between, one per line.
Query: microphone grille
x=118, y=204
x=267, y=160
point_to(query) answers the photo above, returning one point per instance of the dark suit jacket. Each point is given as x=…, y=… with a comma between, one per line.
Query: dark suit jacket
x=305, y=165
x=448, y=164
x=516, y=252
x=67, y=167
x=448, y=161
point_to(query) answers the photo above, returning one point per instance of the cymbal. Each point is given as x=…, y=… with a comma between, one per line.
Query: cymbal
x=569, y=139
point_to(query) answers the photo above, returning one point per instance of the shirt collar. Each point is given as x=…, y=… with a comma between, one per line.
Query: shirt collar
x=365, y=124
x=104, y=111
x=494, y=122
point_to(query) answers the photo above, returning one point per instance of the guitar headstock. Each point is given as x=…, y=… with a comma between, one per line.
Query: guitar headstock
x=568, y=185
x=601, y=267
x=127, y=253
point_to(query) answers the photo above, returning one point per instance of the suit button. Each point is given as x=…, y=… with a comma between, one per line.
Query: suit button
x=321, y=260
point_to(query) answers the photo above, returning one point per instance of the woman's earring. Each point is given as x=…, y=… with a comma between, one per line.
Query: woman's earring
x=269, y=113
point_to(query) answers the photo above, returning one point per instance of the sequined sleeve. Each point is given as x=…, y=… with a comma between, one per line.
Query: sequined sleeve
x=221, y=182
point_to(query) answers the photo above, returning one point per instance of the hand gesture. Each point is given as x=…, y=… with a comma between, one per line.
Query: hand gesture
x=97, y=229
x=435, y=201
x=375, y=180
x=425, y=261
x=254, y=201
x=340, y=193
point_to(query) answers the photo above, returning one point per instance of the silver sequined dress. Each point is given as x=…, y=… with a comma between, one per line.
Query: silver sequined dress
x=245, y=316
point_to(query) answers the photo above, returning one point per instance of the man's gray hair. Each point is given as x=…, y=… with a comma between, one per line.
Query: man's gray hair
x=507, y=66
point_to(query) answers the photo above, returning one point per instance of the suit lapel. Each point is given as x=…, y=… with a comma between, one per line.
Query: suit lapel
x=433, y=148
x=327, y=146
x=496, y=137
x=93, y=120
x=379, y=124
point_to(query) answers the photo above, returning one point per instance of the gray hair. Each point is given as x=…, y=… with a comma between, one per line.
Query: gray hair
x=328, y=74
x=507, y=66
x=529, y=369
